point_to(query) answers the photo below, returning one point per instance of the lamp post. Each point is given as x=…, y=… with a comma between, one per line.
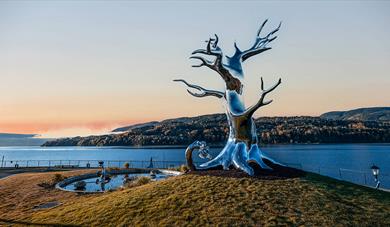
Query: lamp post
x=101, y=165
x=375, y=172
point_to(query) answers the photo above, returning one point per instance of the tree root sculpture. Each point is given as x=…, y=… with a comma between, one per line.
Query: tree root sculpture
x=242, y=145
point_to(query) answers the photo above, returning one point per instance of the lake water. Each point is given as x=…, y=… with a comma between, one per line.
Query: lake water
x=343, y=161
x=96, y=185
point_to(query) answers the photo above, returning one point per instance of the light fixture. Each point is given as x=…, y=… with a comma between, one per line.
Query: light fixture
x=375, y=172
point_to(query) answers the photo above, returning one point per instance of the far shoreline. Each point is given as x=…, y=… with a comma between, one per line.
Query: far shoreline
x=185, y=146
x=212, y=146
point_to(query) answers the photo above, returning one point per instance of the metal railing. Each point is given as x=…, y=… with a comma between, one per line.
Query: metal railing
x=354, y=176
x=89, y=163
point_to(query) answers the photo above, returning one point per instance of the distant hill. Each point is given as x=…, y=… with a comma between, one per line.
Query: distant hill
x=188, y=120
x=16, y=136
x=130, y=127
x=13, y=139
x=214, y=130
x=361, y=114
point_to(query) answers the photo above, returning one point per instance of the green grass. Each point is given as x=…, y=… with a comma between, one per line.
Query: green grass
x=205, y=200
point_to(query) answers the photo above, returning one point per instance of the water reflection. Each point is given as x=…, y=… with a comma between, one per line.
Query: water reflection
x=96, y=184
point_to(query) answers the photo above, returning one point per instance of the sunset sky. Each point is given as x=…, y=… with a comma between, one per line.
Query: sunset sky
x=78, y=68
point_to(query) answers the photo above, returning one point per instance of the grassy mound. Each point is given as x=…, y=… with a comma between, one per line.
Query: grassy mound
x=214, y=200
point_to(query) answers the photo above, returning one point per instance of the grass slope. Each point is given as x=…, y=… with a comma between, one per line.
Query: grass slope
x=210, y=200
x=19, y=193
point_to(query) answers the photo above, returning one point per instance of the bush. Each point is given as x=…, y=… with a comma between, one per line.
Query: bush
x=143, y=180
x=126, y=165
x=184, y=168
x=58, y=178
x=137, y=182
x=80, y=185
x=49, y=184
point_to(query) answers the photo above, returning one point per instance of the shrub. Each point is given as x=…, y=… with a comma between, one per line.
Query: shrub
x=143, y=180
x=58, y=178
x=174, y=168
x=137, y=182
x=49, y=184
x=184, y=168
x=80, y=185
x=126, y=165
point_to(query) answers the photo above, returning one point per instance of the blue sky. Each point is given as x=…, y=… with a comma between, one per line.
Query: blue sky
x=70, y=68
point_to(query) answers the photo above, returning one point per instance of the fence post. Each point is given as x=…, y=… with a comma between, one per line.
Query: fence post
x=340, y=174
x=38, y=163
x=2, y=161
x=49, y=163
x=365, y=179
x=27, y=164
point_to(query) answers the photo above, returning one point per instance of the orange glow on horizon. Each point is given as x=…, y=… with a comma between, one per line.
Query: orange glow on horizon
x=45, y=129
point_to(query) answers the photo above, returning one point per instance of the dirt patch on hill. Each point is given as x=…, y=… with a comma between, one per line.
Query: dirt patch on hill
x=278, y=173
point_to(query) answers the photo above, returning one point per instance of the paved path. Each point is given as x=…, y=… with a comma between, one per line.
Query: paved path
x=6, y=172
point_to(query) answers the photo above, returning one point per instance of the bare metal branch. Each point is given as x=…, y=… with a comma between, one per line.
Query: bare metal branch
x=212, y=49
x=215, y=45
x=261, y=27
x=259, y=46
x=251, y=110
x=203, y=91
x=204, y=62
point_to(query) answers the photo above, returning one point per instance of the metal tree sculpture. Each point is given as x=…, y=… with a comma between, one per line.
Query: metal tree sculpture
x=241, y=147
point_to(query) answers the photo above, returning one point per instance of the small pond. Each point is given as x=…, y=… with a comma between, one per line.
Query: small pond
x=115, y=181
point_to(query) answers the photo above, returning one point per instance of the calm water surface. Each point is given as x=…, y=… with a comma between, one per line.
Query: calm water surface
x=115, y=182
